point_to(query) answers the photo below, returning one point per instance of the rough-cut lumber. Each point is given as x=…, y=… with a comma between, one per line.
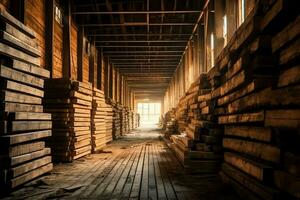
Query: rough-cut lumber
x=254, y=133
x=25, y=137
x=285, y=118
x=30, y=175
x=242, y=118
x=255, y=169
x=259, y=150
x=20, y=77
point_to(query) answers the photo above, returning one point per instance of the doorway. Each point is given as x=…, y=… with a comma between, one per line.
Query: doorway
x=149, y=113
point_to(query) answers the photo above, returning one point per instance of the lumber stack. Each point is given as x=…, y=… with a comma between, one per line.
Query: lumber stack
x=199, y=147
x=170, y=125
x=98, y=117
x=117, y=120
x=136, y=119
x=70, y=103
x=108, y=122
x=24, y=125
x=258, y=104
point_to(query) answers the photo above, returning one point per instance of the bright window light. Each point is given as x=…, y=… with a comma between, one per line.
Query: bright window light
x=212, y=47
x=225, y=29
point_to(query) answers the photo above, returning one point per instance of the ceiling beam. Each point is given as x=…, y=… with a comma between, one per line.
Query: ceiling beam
x=140, y=46
x=136, y=41
x=126, y=52
x=137, y=24
x=136, y=12
x=137, y=34
x=144, y=55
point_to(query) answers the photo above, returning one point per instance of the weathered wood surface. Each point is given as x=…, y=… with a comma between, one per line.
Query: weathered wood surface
x=256, y=149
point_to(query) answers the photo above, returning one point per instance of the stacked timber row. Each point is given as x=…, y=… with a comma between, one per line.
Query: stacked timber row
x=98, y=115
x=170, y=124
x=136, y=120
x=108, y=122
x=24, y=125
x=259, y=109
x=70, y=103
x=123, y=120
x=117, y=121
x=199, y=148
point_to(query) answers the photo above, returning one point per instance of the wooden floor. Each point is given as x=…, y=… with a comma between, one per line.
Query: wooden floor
x=138, y=166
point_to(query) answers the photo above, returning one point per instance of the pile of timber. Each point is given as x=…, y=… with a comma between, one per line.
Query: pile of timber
x=123, y=121
x=98, y=116
x=108, y=122
x=136, y=120
x=170, y=125
x=70, y=103
x=116, y=120
x=24, y=125
x=199, y=147
x=256, y=82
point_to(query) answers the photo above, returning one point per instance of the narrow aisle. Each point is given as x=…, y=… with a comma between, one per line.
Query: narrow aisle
x=138, y=166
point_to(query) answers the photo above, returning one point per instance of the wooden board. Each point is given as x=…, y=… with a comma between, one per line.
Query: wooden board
x=256, y=149
x=18, y=107
x=18, y=76
x=25, y=148
x=11, y=85
x=24, y=137
x=252, y=132
x=30, y=175
x=285, y=118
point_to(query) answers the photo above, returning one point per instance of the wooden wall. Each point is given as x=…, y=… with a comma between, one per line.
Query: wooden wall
x=74, y=33
x=85, y=65
x=34, y=17
x=57, y=51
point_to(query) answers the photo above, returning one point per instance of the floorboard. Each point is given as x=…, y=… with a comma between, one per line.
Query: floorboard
x=137, y=166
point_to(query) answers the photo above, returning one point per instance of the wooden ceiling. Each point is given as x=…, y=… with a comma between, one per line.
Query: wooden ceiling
x=144, y=39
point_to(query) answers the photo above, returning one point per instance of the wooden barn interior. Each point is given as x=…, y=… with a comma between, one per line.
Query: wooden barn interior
x=150, y=99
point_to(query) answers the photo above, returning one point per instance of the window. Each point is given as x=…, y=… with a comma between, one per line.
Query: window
x=241, y=12
x=149, y=112
x=225, y=30
x=58, y=15
x=212, y=49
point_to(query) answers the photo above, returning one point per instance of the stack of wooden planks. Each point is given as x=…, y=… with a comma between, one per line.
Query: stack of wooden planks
x=260, y=111
x=108, y=122
x=24, y=125
x=70, y=103
x=136, y=120
x=199, y=147
x=98, y=115
x=117, y=117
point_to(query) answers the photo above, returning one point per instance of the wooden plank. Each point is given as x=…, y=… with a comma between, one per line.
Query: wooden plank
x=144, y=190
x=18, y=44
x=29, y=68
x=267, y=98
x=16, y=23
x=18, y=76
x=15, y=126
x=287, y=182
x=290, y=32
x=19, y=98
x=18, y=107
x=290, y=54
x=259, y=150
x=255, y=169
x=18, y=34
x=11, y=85
x=242, y=118
x=29, y=156
x=18, y=54
x=30, y=175
x=24, y=137
x=22, y=169
x=289, y=76
x=25, y=148
x=250, y=183
x=29, y=116
x=285, y=118
x=255, y=133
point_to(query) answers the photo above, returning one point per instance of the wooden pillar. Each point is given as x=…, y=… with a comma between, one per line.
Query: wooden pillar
x=231, y=8
x=92, y=63
x=80, y=53
x=66, y=68
x=106, y=77
x=99, y=69
x=110, y=89
x=219, y=24
x=49, y=43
